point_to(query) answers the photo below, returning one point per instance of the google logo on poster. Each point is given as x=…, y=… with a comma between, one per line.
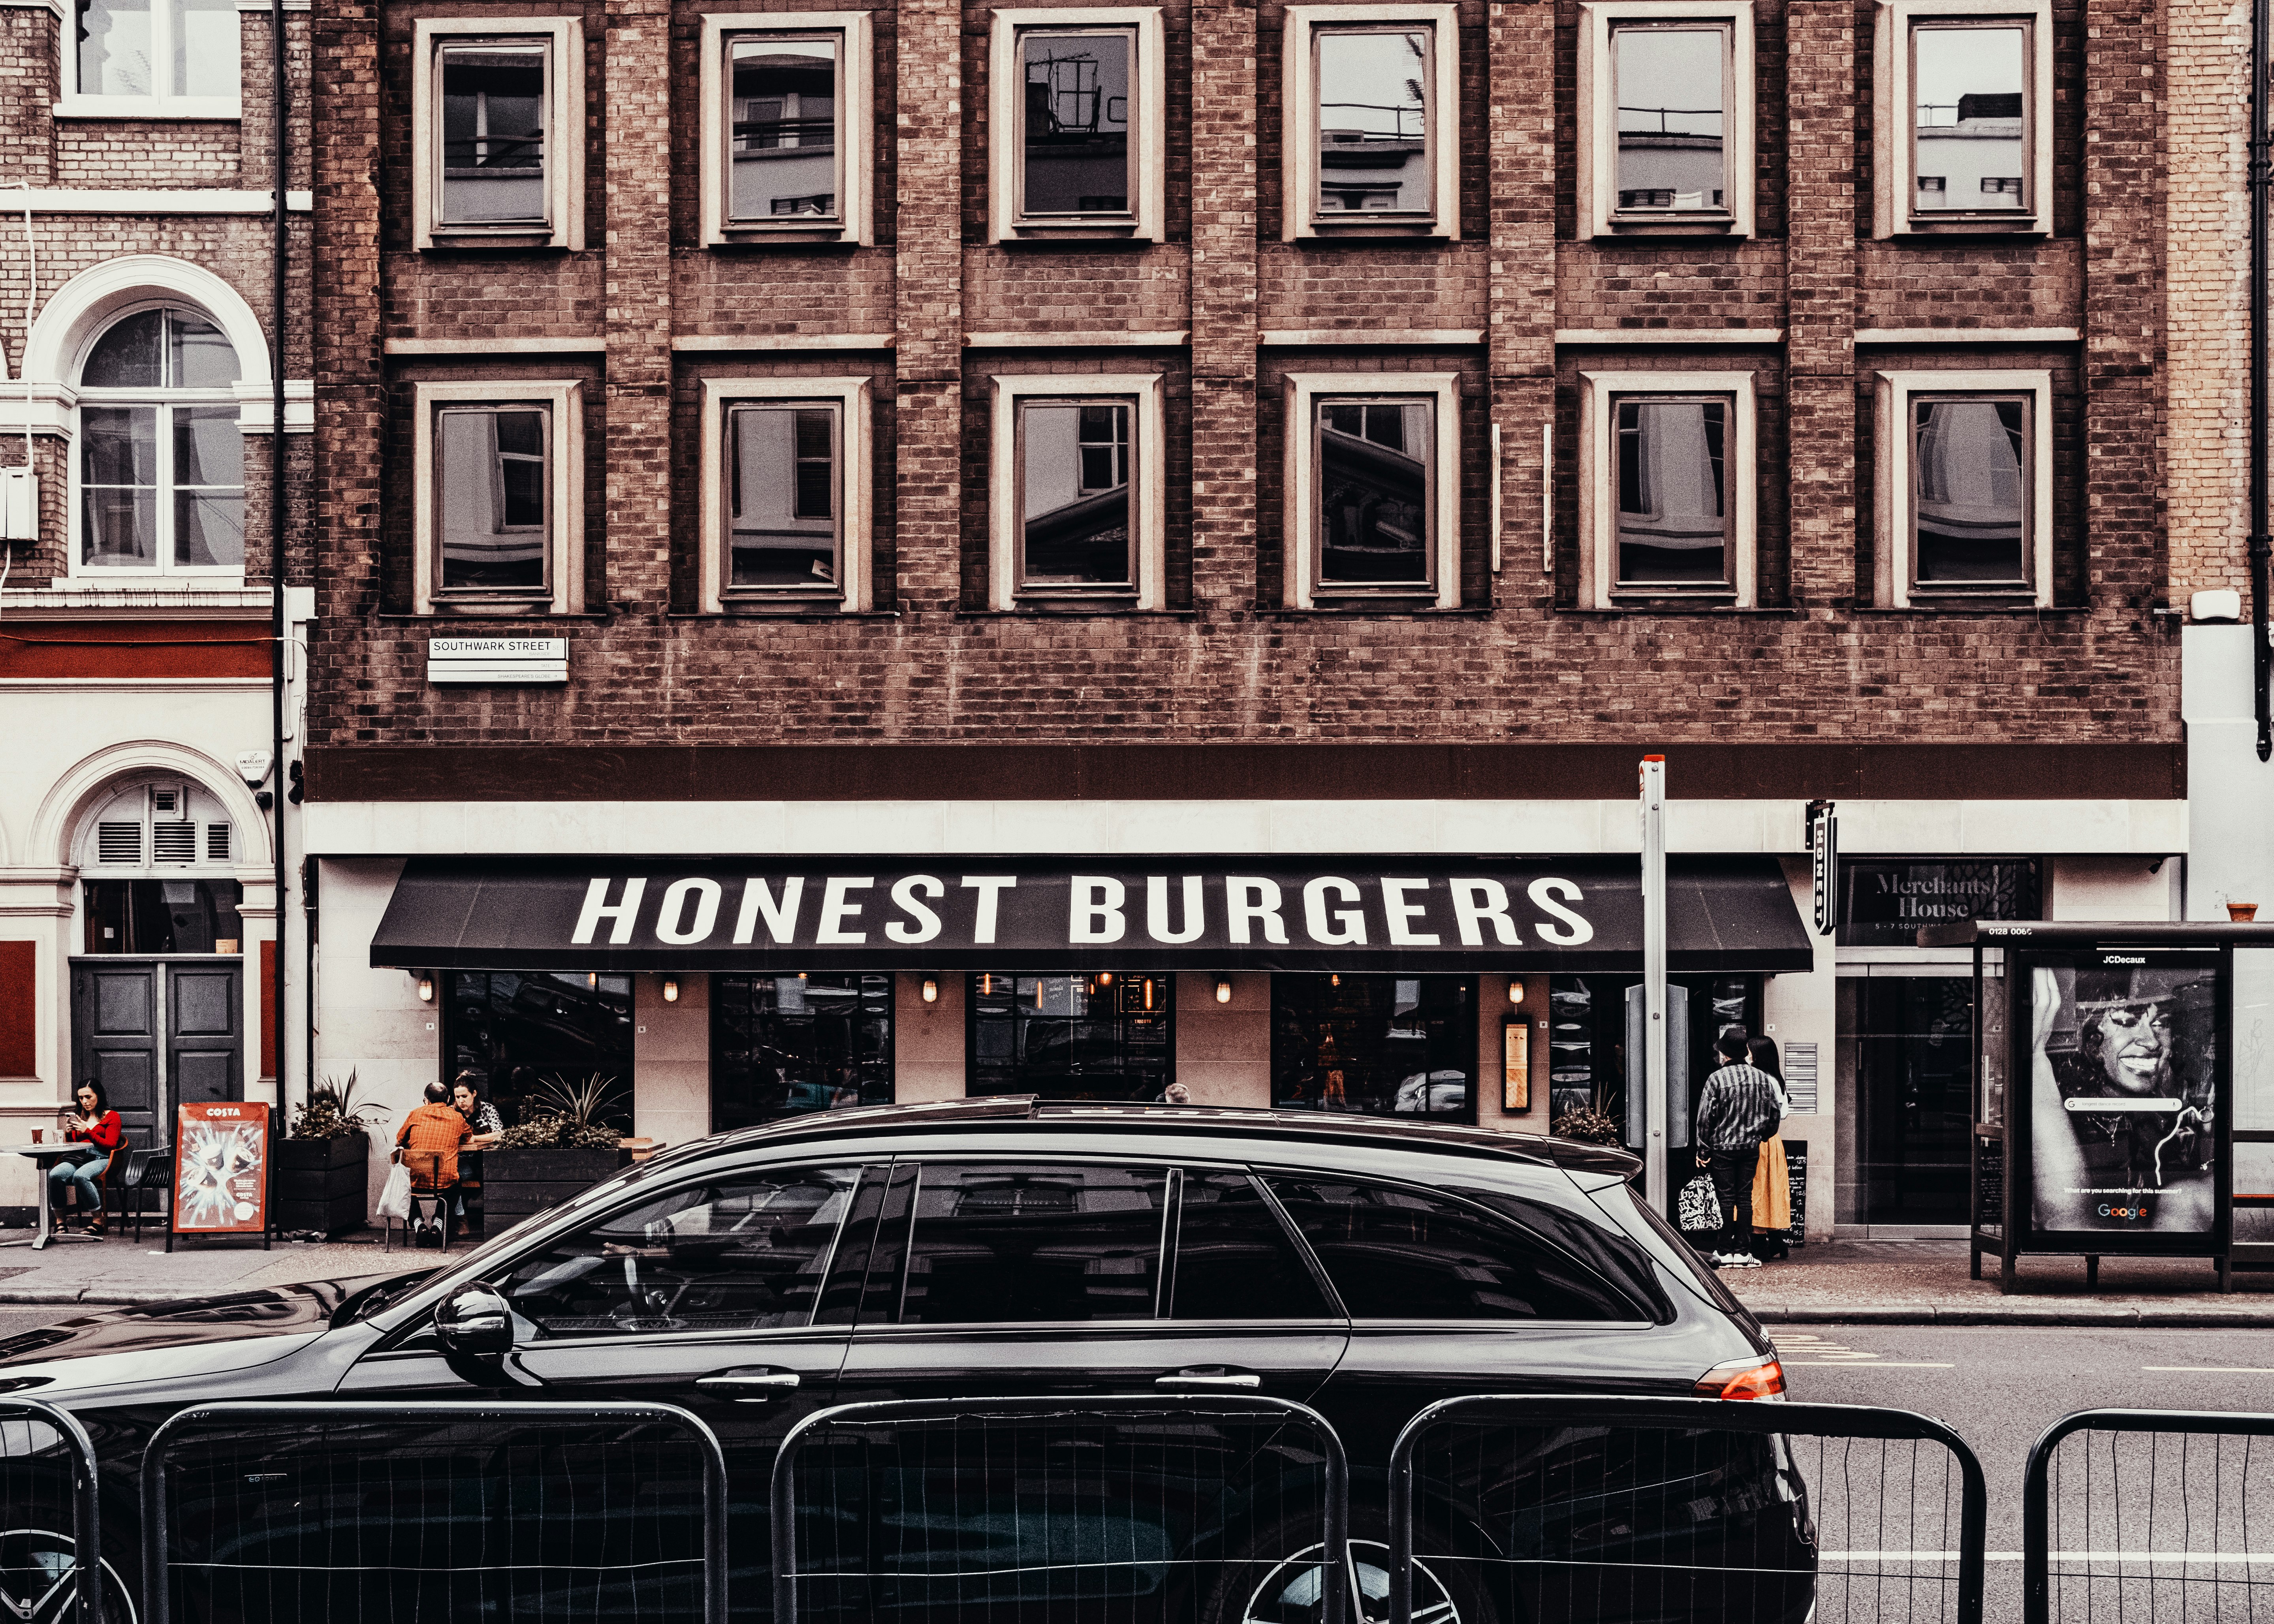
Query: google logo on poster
x=2107, y=1211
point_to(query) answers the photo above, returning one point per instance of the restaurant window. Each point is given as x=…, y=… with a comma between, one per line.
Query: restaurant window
x=1372, y=135
x=787, y=112
x=524, y=1030
x=1376, y=1045
x=1076, y=148
x=1098, y=1036
x=785, y=1045
x=1962, y=127
x=1667, y=497
x=497, y=120
x=160, y=457
x=1013, y=1244
x=1587, y=1059
x=1077, y=491
x=1968, y=497
x=500, y=518
x=160, y=58
x=1373, y=502
x=1666, y=122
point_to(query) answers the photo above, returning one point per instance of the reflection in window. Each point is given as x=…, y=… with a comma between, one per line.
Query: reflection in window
x=1674, y=505
x=494, y=135
x=744, y=1254
x=1074, y=469
x=1398, y=1254
x=150, y=48
x=1076, y=109
x=522, y=1029
x=1009, y=1244
x=164, y=916
x=1374, y=121
x=783, y=134
x=1971, y=117
x=1970, y=461
x=1373, y=474
x=783, y=512
x=1671, y=90
x=491, y=492
x=784, y=1045
x=1234, y=1259
x=162, y=479
x=1070, y=1037
x=1374, y=1045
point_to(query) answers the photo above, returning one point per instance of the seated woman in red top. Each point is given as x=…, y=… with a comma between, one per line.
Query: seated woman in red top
x=99, y=1126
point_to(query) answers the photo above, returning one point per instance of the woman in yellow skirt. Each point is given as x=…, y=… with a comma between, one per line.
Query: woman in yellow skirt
x=1772, y=1179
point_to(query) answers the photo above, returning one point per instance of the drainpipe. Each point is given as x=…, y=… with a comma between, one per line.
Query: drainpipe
x=2262, y=33
x=280, y=103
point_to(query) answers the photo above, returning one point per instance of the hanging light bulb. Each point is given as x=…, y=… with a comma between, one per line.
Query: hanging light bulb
x=671, y=990
x=1105, y=978
x=592, y=979
x=1334, y=980
x=930, y=989
x=987, y=984
x=1224, y=990
x=1041, y=981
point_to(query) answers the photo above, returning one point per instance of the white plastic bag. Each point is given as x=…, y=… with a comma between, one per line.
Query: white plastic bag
x=395, y=1195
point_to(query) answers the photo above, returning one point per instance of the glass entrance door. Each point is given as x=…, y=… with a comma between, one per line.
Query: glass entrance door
x=1905, y=1043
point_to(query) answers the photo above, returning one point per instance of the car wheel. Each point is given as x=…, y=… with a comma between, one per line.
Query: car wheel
x=39, y=1584
x=1288, y=1590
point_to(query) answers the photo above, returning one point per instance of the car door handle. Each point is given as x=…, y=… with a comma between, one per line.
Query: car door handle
x=1217, y=1380
x=749, y=1386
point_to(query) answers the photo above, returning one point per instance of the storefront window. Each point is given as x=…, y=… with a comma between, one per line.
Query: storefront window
x=1906, y=1050
x=1102, y=1036
x=164, y=916
x=1586, y=1036
x=783, y=1045
x=523, y=1030
x=1374, y=1045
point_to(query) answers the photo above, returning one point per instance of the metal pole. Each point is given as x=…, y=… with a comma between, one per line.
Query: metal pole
x=2262, y=34
x=280, y=302
x=1653, y=978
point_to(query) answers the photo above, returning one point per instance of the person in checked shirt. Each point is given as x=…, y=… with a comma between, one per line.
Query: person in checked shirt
x=1741, y=1107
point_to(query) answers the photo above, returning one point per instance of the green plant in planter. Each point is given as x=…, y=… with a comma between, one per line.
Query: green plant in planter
x=1590, y=1125
x=567, y=1114
x=333, y=1112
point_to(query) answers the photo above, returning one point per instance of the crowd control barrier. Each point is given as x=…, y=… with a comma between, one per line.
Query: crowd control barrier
x=1096, y=1510
x=385, y=1514
x=51, y=1528
x=2148, y=1514
x=1558, y=1506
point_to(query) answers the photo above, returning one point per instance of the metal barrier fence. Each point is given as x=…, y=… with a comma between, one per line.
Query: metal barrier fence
x=2158, y=1516
x=367, y=1514
x=1133, y=1509
x=1571, y=1507
x=48, y=1478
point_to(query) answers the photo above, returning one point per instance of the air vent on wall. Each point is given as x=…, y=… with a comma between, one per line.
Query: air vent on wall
x=216, y=842
x=177, y=843
x=120, y=842
x=163, y=800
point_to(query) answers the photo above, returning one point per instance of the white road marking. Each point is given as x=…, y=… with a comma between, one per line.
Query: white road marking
x=1870, y=1362
x=2215, y=1370
x=2237, y=1558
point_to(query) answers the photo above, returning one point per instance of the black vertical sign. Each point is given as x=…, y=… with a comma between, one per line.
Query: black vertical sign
x=1824, y=864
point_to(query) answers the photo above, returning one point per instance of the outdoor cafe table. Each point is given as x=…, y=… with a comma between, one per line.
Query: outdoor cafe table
x=47, y=1155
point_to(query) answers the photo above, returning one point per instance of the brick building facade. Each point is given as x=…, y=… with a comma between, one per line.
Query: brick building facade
x=1551, y=350
x=139, y=348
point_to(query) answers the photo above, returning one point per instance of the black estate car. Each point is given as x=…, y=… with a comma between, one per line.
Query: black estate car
x=998, y=1247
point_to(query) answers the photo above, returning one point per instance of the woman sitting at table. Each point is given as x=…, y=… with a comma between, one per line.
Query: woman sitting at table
x=98, y=1126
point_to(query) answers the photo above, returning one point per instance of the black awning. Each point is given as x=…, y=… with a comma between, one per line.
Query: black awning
x=981, y=912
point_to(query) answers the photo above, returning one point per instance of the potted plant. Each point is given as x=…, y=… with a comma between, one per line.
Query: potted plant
x=323, y=1167
x=564, y=1145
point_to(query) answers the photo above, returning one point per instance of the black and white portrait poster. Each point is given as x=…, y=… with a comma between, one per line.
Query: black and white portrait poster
x=2124, y=1063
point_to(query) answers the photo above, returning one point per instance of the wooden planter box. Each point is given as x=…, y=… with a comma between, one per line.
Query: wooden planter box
x=520, y=1182
x=323, y=1185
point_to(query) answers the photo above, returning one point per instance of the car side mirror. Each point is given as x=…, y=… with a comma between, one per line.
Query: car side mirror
x=474, y=1321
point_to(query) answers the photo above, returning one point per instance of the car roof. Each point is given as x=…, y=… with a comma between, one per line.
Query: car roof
x=1000, y=1111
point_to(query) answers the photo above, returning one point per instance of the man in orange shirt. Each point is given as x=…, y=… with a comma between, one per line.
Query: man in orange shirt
x=436, y=1130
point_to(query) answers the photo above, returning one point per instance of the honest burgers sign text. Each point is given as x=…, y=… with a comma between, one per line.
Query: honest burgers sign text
x=1168, y=913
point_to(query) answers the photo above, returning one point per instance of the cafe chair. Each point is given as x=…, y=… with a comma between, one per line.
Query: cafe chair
x=114, y=1165
x=147, y=1173
x=427, y=1191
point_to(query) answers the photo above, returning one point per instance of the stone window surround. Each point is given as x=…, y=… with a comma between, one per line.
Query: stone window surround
x=1598, y=144
x=1149, y=488
x=1893, y=392
x=1892, y=214
x=563, y=400
x=1006, y=118
x=1598, y=480
x=855, y=220
x=1299, y=123
x=564, y=119
x=1304, y=389
x=855, y=567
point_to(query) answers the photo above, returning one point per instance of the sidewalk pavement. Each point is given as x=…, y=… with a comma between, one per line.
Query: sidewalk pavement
x=118, y=1270
x=1925, y=1282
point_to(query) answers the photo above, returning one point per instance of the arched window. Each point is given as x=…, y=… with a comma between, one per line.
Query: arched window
x=161, y=458
x=157, y=860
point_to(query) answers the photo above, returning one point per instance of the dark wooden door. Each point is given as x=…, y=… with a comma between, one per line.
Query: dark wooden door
x=158, y=1032
x=205, y=1031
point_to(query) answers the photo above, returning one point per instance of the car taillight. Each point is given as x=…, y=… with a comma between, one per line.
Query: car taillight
x=1754, y=1377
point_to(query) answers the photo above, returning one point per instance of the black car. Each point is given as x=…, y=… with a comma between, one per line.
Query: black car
x=999, y=1248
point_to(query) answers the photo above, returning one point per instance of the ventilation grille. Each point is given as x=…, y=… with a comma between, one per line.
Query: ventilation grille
x=177, y=843
x=163, y=800
x=120, y=842
x=216, y=842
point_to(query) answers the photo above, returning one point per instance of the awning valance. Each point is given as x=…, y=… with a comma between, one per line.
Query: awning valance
x=1028, y=912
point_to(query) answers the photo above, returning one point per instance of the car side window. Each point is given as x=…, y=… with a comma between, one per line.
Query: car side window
x=1395, y=1253
x=1009, y=1243
x=745, y=1252
x=1234, y=1258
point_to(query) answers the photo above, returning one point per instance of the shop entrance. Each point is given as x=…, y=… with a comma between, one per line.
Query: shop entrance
x=1906, y=1043
x=158, y=1031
